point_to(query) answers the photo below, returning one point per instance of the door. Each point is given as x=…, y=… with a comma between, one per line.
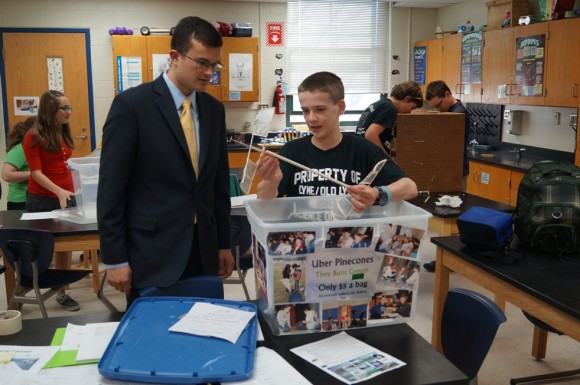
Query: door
x=562, y=75
x=498, y=66
x=26, y=73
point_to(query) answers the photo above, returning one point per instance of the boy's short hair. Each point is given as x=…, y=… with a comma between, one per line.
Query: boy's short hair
x=436, y=89
x=408, y=88
x=324, y=82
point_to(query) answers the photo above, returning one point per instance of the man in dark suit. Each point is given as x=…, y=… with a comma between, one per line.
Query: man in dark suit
x=159, y=221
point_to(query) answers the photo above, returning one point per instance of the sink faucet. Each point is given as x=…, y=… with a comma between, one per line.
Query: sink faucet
x=518, y=152
x=473, y=142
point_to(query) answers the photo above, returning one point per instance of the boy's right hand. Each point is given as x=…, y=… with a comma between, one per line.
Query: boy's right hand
x=269, y=169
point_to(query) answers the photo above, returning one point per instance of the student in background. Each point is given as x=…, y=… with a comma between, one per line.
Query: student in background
x=377, y=122
x=15, y=169
x=321, y=97
x=439, y=96
x=47, y=146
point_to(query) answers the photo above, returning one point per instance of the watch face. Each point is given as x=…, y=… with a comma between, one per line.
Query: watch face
x=382, y=197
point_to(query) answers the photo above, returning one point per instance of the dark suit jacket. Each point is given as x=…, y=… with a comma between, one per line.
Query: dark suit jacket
x=148, y=192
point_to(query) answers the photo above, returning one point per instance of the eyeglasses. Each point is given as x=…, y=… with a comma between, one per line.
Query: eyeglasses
x=65, y=108
x=200, y=63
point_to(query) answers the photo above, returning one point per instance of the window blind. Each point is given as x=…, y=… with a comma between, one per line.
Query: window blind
x=348, y=38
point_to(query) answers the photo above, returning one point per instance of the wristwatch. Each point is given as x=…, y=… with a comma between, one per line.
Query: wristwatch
x=382, y=198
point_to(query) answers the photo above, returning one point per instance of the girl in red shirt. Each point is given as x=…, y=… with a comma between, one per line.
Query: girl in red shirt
x=47, y=147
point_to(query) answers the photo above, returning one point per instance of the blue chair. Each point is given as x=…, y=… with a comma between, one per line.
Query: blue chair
x=241, y=234
x=203, y=286
x=548, y=376
x=468, y=326
x=30, y=253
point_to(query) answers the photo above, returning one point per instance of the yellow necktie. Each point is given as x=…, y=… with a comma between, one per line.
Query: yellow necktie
x=190, y=134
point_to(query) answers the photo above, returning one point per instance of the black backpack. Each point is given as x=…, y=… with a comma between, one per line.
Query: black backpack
x=547, y=216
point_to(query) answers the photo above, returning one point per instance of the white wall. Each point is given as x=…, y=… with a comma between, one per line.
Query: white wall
x=99, y=16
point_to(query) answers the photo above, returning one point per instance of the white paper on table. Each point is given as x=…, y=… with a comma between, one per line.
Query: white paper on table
x=33, y=216
x=347, y=358
x=94, y=340
x=209, y=320
x=70, y=375
x=271, y=369
x=239, y=201
x=72, y=336
x=26, y=360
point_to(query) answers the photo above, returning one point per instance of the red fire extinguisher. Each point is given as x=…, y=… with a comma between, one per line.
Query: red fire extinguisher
x=280, y=100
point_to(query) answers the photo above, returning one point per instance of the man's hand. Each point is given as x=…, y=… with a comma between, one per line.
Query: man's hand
x=120, y=278
x=226, y=263
x=363, y=196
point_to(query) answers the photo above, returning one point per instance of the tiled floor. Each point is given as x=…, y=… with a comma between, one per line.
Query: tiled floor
x=509, y=356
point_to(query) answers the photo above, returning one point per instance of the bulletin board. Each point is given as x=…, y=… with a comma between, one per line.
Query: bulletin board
x=429, y=148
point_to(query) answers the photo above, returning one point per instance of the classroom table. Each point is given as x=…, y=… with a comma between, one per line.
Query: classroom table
x=424, y=365
x=543, y=286
x=445, y=217
x=68, y=236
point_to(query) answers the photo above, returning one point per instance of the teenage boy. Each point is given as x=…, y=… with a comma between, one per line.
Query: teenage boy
x=348, y=158
x=439, y=96
x=377, y=122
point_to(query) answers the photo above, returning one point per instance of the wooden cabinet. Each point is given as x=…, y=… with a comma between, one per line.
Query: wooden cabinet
x=525, y=31
x=498, y=61
x=237, y=82
x=560, y=83
x=433, y=60
x=444, y=63
x=451, y=63
x=493, y=182
x=239, y=79
x=516, y=179
x=489, y=182
x=563, y=68
x=470, y=55
x=499, y=65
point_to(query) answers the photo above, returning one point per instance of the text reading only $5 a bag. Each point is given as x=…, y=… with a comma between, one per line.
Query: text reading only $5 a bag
x=547, y=216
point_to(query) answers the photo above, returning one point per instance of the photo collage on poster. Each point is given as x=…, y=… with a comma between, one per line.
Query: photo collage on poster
x=342, y=278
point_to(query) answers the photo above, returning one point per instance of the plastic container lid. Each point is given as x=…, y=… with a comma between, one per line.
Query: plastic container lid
x=144, y=350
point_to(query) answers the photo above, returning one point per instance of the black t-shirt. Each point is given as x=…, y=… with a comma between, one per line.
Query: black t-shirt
x=460, y=108
x=381, y=112
x=349, y=162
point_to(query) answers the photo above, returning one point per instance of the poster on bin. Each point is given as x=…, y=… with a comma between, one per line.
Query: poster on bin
x=342, y=277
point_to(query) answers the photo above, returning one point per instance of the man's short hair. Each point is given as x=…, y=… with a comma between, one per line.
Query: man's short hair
x=436, y=89
x=197, y=28
x=324, y=82
x=410, y=89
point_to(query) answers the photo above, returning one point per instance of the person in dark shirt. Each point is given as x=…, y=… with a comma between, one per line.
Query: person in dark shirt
x=439, y=96
x=349, y=158
x=377, y=122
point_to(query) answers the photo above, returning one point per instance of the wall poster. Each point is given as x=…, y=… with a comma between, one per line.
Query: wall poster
x=241, y=72
x=530, y=65
x=55, y=73
x=129, y=72
x=26, y=105
x=420, y=59
x=471, y=58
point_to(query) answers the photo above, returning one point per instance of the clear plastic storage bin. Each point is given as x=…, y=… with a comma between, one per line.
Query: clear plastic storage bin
x=315, y=272
x=85, y=174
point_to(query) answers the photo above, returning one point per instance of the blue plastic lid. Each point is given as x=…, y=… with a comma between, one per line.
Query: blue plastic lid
x=144, y=350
